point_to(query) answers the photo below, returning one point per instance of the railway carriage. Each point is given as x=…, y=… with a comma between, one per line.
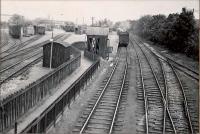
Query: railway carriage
x=123, y=39
x=15, y=31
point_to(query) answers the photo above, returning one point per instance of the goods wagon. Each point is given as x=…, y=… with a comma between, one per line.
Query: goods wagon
x=39, y=30
x=15, y=31
x=123, y=39
x=28, y=31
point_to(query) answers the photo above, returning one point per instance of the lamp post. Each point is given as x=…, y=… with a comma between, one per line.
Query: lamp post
x=51, y=40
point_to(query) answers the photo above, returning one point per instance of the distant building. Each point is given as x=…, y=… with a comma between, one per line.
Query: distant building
x=60, y=54
x=97, y=41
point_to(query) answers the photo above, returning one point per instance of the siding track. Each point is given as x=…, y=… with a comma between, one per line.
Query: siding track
x=101, y=113
x=28, y=59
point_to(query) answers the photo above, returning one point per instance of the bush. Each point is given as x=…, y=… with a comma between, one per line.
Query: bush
x=178, y=32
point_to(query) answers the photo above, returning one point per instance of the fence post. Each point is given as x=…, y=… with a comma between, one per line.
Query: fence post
x=54, y=123
x=15, y=127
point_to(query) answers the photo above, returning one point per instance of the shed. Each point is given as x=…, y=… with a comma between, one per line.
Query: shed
x=60, y=53
x=97, y=40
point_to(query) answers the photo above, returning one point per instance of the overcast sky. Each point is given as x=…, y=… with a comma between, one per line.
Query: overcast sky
x=115, y=10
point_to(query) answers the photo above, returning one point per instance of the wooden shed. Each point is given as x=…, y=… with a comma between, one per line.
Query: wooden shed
x=97, y=40
x=60, y=54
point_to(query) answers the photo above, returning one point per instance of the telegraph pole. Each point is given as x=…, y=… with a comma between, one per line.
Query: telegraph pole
x=92, y=20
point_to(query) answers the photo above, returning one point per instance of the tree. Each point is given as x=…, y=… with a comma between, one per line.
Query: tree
x=185, y=27
x=143, y=26
x=178, y=32
x=104, y=23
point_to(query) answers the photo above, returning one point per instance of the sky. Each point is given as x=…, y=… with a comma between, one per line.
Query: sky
x=80, y=11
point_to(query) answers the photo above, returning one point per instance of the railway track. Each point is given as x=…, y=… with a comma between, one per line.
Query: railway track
x=19, y=45
x=186, y=70
x=6, y=75
x=159, y=82
x=4, y=39
x=157, y=115
x=3, y=43
x=26, y=50
x=101, y=114
x=9, y=71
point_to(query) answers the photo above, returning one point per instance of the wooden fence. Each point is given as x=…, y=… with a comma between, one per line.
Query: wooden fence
x=15, y=105
x=55, y=110
x=90, y=55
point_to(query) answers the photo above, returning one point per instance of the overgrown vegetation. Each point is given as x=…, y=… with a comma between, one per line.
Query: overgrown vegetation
x=178, y=32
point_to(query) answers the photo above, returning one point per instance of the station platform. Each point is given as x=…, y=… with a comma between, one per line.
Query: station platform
x=60, y=89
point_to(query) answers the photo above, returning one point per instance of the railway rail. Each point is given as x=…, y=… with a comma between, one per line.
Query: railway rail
x=10, y=71
x=4, y=42
x=153, y=96
x=172, y=116
x=18, y=45
x=4, y=39
x=186, y=70
x=101, y=114
x=14, y=69
x=27, y=50
x=14, y=105
x=54, y=110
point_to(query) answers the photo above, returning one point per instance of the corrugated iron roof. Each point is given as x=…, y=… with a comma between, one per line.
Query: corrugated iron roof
x=97, y=31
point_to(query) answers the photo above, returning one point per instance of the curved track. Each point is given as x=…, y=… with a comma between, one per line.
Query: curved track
x=157, y=116
x=26, y=50
x=186, y=70
x=31, y=58
x=159, y=82
x=101, y=114
x=18, y=45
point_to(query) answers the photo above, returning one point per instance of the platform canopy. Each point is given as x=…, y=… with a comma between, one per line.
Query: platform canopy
x=97, y=31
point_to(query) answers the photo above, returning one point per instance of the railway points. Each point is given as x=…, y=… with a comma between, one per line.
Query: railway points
x=133, y=76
